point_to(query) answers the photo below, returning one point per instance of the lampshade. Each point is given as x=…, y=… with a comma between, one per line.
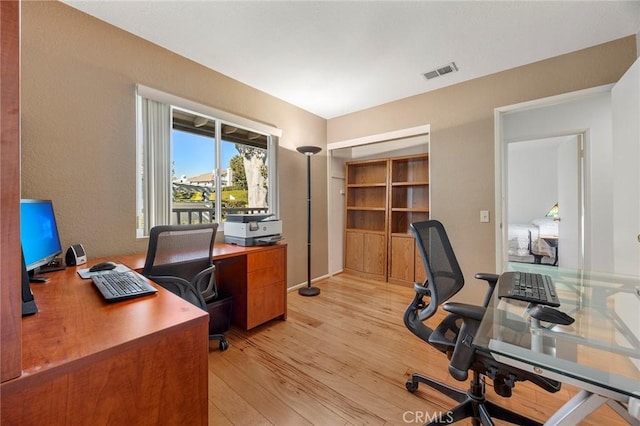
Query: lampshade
x=309, y=150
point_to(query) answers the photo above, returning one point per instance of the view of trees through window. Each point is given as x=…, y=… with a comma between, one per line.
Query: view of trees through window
x=242, y=165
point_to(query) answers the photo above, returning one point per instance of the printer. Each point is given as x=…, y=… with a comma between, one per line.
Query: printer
x=252, y=229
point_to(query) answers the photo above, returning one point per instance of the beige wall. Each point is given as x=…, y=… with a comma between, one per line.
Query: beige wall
x=78, y=141
x=462, y=137
x=78, y=130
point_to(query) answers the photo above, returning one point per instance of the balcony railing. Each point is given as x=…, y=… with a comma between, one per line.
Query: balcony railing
x=193, y=215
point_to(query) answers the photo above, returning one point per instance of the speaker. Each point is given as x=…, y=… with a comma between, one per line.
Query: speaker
x=76, y=255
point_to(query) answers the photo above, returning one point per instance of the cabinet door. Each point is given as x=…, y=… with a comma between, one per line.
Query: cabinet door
x=420, y=273
x=402, y=258
x=265, y=303
x=354, y=247
x=374, y=255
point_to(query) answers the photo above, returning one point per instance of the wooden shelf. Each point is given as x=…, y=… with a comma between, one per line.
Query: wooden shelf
x=410, y=169
x=407, y=234
x=371, y=172
x=409, y=209
x=364, y=230
x=381, y=209
x=367, y=185
x=413, y=183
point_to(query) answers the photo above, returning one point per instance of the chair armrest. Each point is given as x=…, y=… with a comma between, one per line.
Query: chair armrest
x=205, y=283
x=465, y=310
x=181, y=288
x=492, y=280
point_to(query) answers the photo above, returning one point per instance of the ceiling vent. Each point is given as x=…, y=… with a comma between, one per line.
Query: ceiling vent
x=445, y=69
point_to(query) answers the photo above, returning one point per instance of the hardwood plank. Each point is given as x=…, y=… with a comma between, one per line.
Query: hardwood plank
x=233, y=407
x=242, y=373
x=342, y=358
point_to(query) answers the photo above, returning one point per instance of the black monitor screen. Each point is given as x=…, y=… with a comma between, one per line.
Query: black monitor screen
x=38, y=233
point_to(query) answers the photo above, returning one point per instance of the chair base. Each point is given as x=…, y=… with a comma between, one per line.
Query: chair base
x=224, y=344
x=472, y=403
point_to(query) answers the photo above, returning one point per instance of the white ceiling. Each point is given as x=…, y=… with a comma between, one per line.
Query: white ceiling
x=335, y=57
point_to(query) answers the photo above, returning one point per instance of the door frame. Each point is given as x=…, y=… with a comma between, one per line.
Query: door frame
x=500, y=158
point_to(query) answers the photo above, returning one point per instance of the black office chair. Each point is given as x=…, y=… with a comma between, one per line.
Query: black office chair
x=179, y=258
x=454, y=335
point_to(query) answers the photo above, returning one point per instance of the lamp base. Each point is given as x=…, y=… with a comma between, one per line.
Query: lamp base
x=309, y=291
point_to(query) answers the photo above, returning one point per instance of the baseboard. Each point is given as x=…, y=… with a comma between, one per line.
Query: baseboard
x=304, y=284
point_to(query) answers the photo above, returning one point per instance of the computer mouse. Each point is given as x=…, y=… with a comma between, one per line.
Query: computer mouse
x=549, y=314
x=103, y=266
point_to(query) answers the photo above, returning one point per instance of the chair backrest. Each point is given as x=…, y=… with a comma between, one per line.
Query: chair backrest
x=180, y=250
x=444, y=276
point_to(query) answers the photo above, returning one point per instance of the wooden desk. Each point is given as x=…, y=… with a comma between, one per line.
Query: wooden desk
x=256, y=277
x=142, y=361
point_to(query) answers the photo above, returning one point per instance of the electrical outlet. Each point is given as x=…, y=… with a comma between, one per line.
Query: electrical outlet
x=484, y=216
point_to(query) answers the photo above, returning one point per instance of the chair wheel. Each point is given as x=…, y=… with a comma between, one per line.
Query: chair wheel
x=411, y=386
x=224, y=345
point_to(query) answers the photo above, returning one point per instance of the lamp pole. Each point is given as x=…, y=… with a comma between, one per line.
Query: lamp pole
x=308, y=151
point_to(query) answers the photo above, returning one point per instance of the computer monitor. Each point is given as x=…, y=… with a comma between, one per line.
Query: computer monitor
x=38, y=235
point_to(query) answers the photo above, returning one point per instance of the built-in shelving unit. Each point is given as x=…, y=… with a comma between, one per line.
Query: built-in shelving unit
x=366, y=218
x=383, y=197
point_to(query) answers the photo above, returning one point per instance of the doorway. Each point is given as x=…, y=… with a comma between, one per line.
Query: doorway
x=545, y=189
x=586, y=113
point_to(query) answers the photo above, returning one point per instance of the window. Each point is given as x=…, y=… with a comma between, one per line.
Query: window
x=195, y=167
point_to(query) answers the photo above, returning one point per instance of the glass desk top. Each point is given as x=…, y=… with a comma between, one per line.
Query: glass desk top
x=600, y=349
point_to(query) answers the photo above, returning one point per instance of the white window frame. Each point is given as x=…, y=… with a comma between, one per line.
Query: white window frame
x=220, y=117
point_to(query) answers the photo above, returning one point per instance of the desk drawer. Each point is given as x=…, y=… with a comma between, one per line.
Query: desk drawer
x=265, y=276
x=265, y=259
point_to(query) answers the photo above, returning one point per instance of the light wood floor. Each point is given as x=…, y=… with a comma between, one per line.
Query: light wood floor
x=342, y=358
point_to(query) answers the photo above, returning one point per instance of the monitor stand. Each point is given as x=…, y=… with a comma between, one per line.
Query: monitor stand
x=34, y=276
x=50, y=268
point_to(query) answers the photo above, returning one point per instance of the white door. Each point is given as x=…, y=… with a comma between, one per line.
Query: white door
x=569, y=202
x=625, y=97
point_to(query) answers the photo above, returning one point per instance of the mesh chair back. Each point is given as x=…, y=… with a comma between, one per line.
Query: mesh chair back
x=180, y=250
x=444, y=276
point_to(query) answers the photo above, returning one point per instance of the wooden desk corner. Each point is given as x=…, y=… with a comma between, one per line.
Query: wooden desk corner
x=141, y=361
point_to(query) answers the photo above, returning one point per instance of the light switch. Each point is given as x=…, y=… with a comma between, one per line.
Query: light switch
x=484, y=216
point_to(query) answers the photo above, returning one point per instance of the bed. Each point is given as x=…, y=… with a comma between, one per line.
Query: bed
x=534, y=242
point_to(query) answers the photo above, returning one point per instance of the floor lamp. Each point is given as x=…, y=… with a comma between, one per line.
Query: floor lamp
x=308, y=151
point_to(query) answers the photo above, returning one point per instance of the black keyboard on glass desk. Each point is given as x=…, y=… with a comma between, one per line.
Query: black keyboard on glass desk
x=116, y=286
x=529, y=287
